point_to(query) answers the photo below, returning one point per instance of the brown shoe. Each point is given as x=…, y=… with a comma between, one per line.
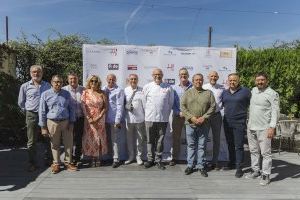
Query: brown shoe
x=55, y=168
x=71, y=167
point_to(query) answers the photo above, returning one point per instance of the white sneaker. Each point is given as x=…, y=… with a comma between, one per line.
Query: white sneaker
x=265, y=180
x=253, y=175
x=127, y=162
x=139, y=161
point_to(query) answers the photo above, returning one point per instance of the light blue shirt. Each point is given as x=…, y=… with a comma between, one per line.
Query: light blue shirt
x=116, y=100
x=30, y=94
x=56, y=106
x=178, y=92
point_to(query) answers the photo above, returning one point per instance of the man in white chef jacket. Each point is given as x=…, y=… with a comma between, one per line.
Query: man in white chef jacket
x=158, y=102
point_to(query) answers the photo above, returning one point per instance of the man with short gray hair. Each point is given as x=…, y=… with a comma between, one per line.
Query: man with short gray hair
x=159, y=98
x=29, y=99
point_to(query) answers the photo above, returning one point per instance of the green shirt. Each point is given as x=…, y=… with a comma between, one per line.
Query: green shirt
x=196, y=103
x=264, y=109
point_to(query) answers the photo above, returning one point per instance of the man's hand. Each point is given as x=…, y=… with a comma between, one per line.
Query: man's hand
x=45, y=131
x=90, y=120
x=117, y=125
x=181, y=115
x=270, y=133
x=200, y=120
x=194, y=120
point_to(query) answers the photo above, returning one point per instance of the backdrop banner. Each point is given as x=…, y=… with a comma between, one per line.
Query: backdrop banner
x=123, y=60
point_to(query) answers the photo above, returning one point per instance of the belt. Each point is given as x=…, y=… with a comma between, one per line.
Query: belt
x=58, y=120
x=31, y=112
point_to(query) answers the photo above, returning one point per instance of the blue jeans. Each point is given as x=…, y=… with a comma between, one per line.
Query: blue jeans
x=196, y=145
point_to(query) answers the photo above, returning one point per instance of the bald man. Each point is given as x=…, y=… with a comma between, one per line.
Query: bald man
x=215, y=121
x=158, y=98
x=114, y=115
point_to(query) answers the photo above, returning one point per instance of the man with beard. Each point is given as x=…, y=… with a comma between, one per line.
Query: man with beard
x=263, y=117
x=29, y=99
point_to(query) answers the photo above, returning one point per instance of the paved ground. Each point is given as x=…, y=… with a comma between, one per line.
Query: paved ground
x=135, y=182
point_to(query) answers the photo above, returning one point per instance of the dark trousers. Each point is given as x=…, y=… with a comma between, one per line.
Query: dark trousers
x=155, y=132
x=234, y=134
x=77, y=133
x=33, y=131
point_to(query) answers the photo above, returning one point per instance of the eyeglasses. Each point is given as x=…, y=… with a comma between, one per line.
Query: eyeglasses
x=94, y=81
x=157, y=74
x=133, y=79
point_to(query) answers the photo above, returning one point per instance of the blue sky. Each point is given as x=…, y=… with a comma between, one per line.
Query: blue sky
x=258, y=23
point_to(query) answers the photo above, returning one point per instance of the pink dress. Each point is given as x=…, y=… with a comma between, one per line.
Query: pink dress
x=94, y=139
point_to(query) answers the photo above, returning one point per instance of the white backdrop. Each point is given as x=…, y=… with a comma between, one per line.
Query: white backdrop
x=123, y=60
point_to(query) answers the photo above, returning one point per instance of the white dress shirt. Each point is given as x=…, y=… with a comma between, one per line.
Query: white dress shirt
x=217, y=90
x=137, y=115
x=159, y=100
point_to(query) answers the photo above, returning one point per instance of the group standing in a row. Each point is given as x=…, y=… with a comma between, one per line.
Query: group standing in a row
x=95, y=118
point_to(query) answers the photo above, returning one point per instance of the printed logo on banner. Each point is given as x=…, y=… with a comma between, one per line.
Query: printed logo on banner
x=149, y=52
x=93, y=66
x=113, y=66
x=223, y=69
x=190, y=68
x=207, y=67
x=131, y=52
x=112, y=51
x=171, y=67
x=226, y=54
x=93, y=51
x=170, y=53
x=170, y=81
x=185, y=51
x=132, y=67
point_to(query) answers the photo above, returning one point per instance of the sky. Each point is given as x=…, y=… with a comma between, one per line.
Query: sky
x=255, y=23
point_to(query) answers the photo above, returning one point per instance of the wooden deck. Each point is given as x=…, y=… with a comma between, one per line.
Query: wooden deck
x=135, y=182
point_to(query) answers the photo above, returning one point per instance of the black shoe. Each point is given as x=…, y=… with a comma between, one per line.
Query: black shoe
x=115, y=164
x=148, y=164
x=229, y=166
x=239, y=173
x=188, y=171
x=215, y=167
x=160, y=165
x=203, y=172
x=172, y=163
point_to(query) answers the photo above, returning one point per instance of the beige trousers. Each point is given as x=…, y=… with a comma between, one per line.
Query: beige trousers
x=60, y=130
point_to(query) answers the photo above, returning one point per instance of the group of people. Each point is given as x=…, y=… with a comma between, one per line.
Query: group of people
x=92, y=119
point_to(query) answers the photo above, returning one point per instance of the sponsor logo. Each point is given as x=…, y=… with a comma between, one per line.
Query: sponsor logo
x=224, y=68
x=93, y=51
x=171, y=67
x=170, y=53
x=207, y=67
x=187, y=53
x=226, y=54
x=170, y=81
x=190, y=68
x=149, y=51
x=113, y=66
x=131, y=52
x=114, y=52
x=93, y=66
x=132, y=67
